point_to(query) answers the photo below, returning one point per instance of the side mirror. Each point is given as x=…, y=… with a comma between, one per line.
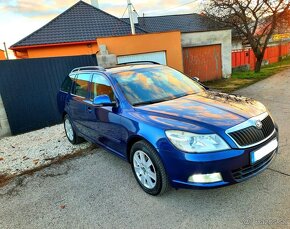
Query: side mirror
x=103, y=101
x=196, y=79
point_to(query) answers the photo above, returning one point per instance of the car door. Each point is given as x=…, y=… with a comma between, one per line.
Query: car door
x=104, y=122
x=77, y=104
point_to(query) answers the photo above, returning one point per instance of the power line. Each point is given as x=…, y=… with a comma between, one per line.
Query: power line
x=125, y=11
x=173, y=7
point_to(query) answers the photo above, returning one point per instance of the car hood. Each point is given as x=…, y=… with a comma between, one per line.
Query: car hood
x=208, y=109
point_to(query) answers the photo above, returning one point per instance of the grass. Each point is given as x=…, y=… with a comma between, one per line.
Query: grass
x=246, y=78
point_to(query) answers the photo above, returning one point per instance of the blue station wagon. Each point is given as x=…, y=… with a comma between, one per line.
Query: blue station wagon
x=169, y=127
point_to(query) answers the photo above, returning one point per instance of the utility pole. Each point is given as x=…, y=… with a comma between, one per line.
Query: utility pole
x=131, y=17
x=7, y=57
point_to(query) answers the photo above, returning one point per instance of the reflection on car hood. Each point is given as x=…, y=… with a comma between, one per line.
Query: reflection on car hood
x=208, y=109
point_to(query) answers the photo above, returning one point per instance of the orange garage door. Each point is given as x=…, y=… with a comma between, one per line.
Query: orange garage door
x=203, y=62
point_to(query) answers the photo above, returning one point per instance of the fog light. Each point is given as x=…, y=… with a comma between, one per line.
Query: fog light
x=205, y=178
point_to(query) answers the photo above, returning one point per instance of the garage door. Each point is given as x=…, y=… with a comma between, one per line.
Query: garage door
x=203, y=62
x=159, y=57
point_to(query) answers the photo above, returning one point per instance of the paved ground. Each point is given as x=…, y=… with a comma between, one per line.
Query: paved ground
x=98, y=190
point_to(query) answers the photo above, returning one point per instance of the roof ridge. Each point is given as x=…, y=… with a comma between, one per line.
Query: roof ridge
x=119, y=19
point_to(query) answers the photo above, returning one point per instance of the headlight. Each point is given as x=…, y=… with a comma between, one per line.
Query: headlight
x=196, y=143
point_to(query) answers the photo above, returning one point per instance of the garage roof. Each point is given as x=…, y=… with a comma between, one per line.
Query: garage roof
x=81, y=22
x=183, y=22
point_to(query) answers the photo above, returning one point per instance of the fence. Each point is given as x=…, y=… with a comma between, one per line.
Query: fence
x=247, y=57
x=29, y=87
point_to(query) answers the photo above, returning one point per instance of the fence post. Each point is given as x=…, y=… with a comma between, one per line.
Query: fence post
x=4, y=124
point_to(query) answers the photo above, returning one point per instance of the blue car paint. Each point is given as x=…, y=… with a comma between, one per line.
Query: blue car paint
x=202, y=113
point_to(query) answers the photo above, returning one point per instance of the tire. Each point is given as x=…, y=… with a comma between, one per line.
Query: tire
x=144, y=172
x=70, y=132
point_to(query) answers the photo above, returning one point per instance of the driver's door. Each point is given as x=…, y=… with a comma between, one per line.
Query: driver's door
x=104, y=122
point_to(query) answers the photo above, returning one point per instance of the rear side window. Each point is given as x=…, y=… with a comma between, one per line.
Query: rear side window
x=82, y=85
x=66, y=84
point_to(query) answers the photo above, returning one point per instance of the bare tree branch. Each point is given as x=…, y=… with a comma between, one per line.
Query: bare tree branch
x=254, y=21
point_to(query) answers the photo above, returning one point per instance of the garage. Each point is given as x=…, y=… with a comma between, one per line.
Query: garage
x=203, y=62
x=159, y=57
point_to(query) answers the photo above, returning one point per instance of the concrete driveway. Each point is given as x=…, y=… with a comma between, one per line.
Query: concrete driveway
x=98, y=190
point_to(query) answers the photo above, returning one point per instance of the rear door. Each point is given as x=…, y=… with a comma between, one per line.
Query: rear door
x=65, y=89
x=77, y=101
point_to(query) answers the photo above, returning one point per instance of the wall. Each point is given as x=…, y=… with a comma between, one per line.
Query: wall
x=223, y=37
x=4, y=124
x=2, y=55
x=58, y=50
x=237, y=44
x=170, y=42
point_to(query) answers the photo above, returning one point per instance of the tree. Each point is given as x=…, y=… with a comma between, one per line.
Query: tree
x=254, y=20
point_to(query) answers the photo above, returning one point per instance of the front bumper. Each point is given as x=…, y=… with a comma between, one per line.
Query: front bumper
x=234, y=165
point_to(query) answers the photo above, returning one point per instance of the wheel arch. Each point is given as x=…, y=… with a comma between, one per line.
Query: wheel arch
x=131, y=141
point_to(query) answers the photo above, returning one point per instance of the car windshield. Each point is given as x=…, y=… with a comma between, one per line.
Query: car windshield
x=153, y=85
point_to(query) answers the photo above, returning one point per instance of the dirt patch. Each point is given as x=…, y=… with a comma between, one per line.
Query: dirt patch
x=6, y=178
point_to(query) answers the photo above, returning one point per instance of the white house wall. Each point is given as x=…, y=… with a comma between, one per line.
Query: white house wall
x=222, y=37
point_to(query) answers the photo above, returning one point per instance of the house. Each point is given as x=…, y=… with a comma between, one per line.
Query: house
x=2, y=55
x=191, y=43
x=73, y=32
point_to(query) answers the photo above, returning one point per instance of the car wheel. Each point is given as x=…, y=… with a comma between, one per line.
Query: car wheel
x=69, y=131
x=148, y=169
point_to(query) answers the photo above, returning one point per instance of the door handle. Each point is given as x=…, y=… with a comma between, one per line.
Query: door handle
x=89, y=109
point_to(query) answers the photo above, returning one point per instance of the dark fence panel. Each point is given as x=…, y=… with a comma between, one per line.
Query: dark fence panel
x=29, y=88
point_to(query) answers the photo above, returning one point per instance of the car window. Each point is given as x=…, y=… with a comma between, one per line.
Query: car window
x=66, y=84
x=101, y=86
x=82, y=84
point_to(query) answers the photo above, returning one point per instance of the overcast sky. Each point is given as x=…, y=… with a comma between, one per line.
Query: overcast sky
x=19, y=18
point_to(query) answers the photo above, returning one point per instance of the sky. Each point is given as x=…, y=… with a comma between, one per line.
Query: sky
x=19, y=18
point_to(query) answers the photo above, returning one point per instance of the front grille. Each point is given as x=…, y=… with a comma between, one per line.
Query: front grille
x=246, y=171
x=252, y=134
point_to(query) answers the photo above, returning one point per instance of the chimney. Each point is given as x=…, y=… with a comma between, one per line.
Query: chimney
x=95, y=3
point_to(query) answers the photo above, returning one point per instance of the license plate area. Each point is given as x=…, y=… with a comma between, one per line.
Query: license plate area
x=263, y=151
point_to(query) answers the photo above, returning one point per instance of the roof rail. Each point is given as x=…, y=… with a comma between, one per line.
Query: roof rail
x=89, y=68
x=139, y=62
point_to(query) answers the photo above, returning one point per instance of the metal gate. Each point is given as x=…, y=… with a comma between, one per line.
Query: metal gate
x=203, y=62
x=29, y=87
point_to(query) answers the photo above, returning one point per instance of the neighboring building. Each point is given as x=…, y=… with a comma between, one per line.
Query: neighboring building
x=2, y=55
x=206, y=44
x=73, y=32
